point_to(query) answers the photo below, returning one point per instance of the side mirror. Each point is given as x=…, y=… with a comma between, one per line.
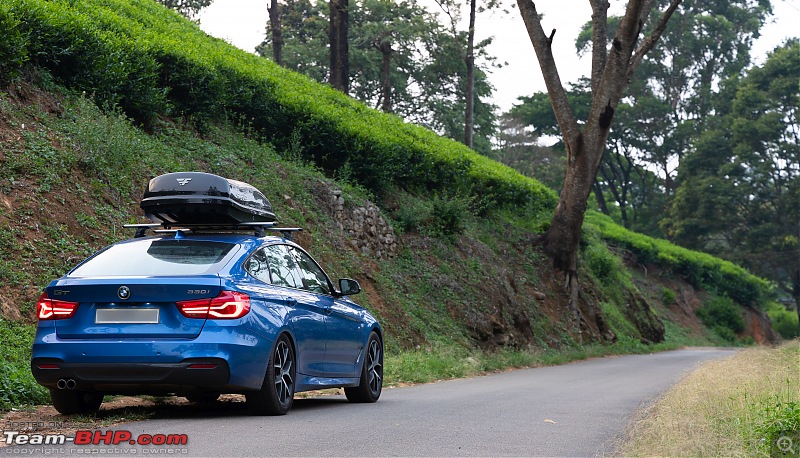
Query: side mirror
x=348, y=287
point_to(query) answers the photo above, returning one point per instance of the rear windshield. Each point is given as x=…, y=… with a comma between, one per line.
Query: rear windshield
x=157, y=258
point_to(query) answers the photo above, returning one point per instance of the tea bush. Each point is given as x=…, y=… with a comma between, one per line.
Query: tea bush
x=148, y=61
x=723, y=316
x=700, y=269
x=783, y=321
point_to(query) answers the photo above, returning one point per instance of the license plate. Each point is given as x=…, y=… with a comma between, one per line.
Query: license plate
x=116, y=316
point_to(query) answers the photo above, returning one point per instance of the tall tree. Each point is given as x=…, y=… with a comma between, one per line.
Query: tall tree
x=339, y=46
x=518, y=147
x=623, y=178
x=304, y=35
x=277, y=31
x=391, y=40
x=667, y=105
x=585, y=144
x=452, y=9
x=469, y=94
x=188, y=8
x=673, y=93
x=740, y=187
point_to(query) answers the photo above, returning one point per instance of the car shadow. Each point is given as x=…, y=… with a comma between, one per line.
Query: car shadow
x=151, y=408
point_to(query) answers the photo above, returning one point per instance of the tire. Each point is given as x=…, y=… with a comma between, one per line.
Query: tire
x=371, y=383
x=70, y=402
x=277, y=392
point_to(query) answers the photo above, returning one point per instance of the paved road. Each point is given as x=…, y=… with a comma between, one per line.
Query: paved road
x=576, y=409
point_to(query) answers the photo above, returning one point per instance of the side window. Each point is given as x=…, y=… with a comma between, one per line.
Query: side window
x=258, y=266
x=283, y=269
x=312, y=277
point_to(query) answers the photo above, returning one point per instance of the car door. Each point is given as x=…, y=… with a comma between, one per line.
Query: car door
x=344, y=324
x=306, y=315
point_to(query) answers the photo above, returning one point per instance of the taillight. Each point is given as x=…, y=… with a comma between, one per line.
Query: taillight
x=227, y=306
x=51, y=309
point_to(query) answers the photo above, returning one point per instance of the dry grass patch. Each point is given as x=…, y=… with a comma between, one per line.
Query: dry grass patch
x=745, y=405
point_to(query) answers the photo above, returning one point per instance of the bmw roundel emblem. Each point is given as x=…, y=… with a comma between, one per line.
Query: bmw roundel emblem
x=124, y=292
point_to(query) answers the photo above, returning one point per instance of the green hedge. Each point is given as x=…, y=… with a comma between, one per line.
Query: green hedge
x=700, y=269
x=149, y=61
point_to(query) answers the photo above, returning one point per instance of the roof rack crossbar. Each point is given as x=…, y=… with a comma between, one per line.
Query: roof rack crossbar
x=286, y=232
x=257, y=227
x=141, y=229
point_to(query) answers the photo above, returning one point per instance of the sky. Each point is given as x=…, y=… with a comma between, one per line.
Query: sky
x=243, y=24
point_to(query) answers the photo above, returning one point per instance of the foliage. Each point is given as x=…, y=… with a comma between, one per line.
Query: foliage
x=449, y=215
x=781, y=420
x=739, y=189
x=13, y=47
x=188, y=8
x=517, y=147
x=668, y=296
x=132, y=55
x=670, y=99
x=784, y=321
x=399, y=43
x=17, y=385
x=700, y=269
x=304, y=35
x=723, y=316
x=604, y=265
x=673, y=93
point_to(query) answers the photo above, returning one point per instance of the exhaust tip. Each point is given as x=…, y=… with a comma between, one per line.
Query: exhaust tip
x=66, y=384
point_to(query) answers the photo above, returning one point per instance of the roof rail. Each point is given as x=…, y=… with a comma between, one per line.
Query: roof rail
x=258, y=228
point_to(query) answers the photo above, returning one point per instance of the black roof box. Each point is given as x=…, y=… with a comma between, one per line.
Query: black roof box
x=198, y=198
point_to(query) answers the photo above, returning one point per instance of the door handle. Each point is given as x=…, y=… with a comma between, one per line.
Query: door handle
x=291, y=301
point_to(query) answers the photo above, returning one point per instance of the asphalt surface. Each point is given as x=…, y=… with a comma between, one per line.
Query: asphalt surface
x=578, y=409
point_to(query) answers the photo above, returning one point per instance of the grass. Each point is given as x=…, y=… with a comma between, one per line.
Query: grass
x=17, y=386
x=745, y=405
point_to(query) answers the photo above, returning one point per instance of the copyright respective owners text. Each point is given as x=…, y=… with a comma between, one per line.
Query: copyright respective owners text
x=24, y=442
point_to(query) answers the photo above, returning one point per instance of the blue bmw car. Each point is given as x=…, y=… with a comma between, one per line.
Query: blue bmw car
x=212, y=303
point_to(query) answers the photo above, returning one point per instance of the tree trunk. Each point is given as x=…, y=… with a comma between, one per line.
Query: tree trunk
x=470, y=92
x=340, y=64
x=277, y=32
x=611, y=70
x=601, y=199
x=386, y=82
x=562, y=239
x=796, y=295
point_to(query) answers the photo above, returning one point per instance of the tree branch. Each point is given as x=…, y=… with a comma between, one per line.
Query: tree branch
x=651, y=40
x=558, y=96
x=599, y=39
x=613, y=80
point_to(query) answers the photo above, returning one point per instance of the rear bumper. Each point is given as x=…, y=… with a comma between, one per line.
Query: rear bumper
x=153, y=365
x=189, y=374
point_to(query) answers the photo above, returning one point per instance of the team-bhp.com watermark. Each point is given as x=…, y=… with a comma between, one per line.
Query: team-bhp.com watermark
x=94, y=442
